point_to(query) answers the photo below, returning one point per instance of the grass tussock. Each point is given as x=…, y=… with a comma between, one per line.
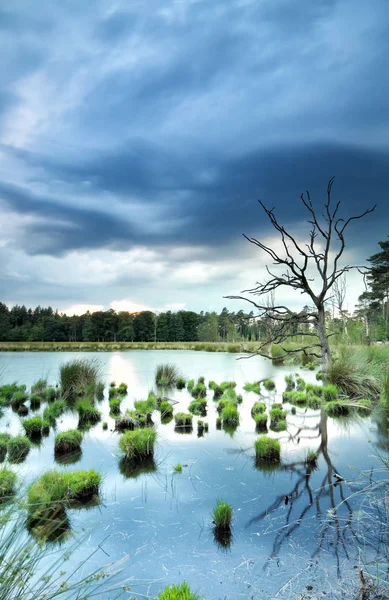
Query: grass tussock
x=359, y=372
x=198, y=407
x=18, y=448
x=260, y=421
x=78, y=376
x=230, y=414
x=166, y=375
x=138, y=444
x=54, y=411
x=267, y=449
x=166, y=409
x=36, y=426
x=8, y=481
x=87, y=412
x=253, y=387
x=222, y=515
x=177, y=592
x=183, y=419
x=68, y=441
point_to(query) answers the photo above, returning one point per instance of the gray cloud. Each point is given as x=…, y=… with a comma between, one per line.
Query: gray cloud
x=160, y=124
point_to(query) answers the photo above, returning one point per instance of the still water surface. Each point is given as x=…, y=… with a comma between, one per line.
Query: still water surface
x=161, y=521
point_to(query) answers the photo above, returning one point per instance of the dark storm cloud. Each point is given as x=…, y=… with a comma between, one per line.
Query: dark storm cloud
x=183, y=114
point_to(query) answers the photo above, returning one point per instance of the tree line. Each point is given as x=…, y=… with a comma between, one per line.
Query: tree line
x=20, y=323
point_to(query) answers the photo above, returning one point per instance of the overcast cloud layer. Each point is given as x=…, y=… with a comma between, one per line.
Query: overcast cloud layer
x=136, y=137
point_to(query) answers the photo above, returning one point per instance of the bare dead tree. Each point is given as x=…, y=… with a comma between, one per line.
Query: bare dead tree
x=320, y=255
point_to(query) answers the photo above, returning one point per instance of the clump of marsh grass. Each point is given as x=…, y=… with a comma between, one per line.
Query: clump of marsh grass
x=277, y=419
x=36, y=427
x=138, y=444
x=129, y=420
x=54, y=492
x=258, y=408
x=330, y=392
x=269, y=384
x=18, y=448
x=337, y=409
x=199, y=391
x=183, y=419
x=267, y=449
x=311, y=458
x=105, y=426
x=180, y=383
x=35, y=401
x=260, y=421
x=22, y=410
x=51, y=394
x=190, y=385
x=222, y=515
x=177, y=468
x=78, y=376
x=19, y=398
x=202, y=427
x=166, y=409
x=7, y=484
x=68, y=441
x=177, y=592
x=146, y=407
x=300, y=384
x=39, y=387
x=114, y=406
x=4, y=439
x=166, y=375
x=253, y=387
x=230, y=414
x=219, y=422
x=290, y=383
x=87, y=413
x=357, y=373
x=53, y=411
x=198, y=407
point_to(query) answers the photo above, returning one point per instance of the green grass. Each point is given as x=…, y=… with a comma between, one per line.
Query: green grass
x=35, y=401
x=335, y=408
x=146, y=407
x=51, y=394
x=180, y=383
x=198, y=407
x=138, y=444
x=277, y=418
x=219, y=422
x=4, y=439
x=358, y=372
x=166, y=375
x=54, y=492
x=330, y=392
x=39, y=387
x=129, y=420
x=19, y=398
x=166, y=409
x=53, y=411
x=105, y=426
x=202, y=426
x=260, y=421
x=300, y=384
x=177, y=592
x=199, y=391
x=36, y=426
x=290, y=382
x=269, y=385
x=230, y=414
x=183, y=419
x=257, y=408
x=87, y=413
x=222, y=515
x=311, y=458
x=253, y=387
x=190, y=385
x=267, y=449
x=8, y=481
x=78, y=375
x=177, y=468
x=18, y=448
x=114, y=406
x=68, y=441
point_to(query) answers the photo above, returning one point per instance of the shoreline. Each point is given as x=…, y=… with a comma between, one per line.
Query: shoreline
x=231, y=347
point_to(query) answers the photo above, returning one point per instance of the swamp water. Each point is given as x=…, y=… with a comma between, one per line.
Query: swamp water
x=160, y=521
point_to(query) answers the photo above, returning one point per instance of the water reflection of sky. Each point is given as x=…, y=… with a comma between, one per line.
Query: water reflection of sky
x=161, y=520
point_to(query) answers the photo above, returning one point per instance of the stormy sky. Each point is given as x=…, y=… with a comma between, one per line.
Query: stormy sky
x=136, y=138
